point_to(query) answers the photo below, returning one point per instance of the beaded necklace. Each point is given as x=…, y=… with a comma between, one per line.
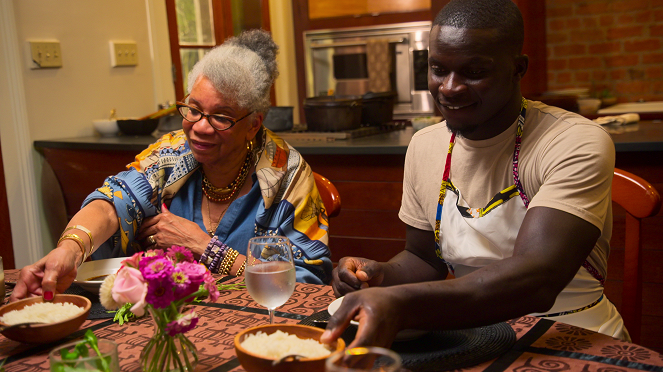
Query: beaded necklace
x=447, y=169
x=222, y=194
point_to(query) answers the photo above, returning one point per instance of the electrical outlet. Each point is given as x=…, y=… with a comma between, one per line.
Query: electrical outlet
x=123, y=53
x=45, y=54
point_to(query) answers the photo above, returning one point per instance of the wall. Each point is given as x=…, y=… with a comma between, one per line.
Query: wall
x=62, y=102
x=281, y=23
x=615, y=45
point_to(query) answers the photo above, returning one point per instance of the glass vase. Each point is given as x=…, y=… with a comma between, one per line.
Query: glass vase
x=164, y=352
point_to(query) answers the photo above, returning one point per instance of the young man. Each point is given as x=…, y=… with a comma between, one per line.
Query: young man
x=509, y=195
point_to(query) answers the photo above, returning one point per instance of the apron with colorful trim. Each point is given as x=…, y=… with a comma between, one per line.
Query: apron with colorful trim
x=470, y=238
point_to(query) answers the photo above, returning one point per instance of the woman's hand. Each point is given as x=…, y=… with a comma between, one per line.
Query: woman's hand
x=52, y=274
x=167, y=229
x=354, y=273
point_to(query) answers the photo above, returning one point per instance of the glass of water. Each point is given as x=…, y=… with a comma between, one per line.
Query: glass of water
x=91, y=361
x=270, y=271
x=375, y=359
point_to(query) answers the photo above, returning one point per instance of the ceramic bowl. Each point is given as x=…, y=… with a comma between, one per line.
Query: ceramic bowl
x=107, y=128
x=256, y=363
x=91, y=274
x=588, y=106
x=422, y=122
x=44, y=333
x=133, y=127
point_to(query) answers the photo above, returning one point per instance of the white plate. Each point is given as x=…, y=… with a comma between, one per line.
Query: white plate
x=404, y=335
x=92, y=273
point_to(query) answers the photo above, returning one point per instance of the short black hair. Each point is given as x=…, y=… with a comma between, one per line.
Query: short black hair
x=501, y=15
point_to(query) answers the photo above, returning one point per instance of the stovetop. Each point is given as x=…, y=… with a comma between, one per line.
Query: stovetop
x=299, y=132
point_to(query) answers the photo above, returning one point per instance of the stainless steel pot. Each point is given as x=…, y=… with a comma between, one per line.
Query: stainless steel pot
x=331, y=114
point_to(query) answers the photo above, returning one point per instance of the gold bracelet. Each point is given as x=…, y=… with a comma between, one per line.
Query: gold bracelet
x=228, y=261
x=85, y=230
x=241, y=269
x=78, y=241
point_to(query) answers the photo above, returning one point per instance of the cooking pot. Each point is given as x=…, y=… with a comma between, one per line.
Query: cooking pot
x=278, y=118
x=378, y=108
x=330, y=113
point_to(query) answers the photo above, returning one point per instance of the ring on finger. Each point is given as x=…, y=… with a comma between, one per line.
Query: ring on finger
x=152, y=240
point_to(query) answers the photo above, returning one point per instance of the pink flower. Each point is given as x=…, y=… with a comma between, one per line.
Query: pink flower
x=210, y=286
x=130, y=287
x=157, y=268
x=179, y=254
x=183, y=324
x=182, y=283
x=149, y=256
x=195, y=271
x=133, y=261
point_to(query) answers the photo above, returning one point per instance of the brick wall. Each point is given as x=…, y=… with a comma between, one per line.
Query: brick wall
x=606, y=44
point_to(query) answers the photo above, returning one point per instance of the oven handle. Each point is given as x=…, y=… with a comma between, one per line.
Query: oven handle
x=351, y=43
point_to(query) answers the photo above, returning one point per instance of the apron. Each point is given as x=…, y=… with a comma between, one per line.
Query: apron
x=469, y=238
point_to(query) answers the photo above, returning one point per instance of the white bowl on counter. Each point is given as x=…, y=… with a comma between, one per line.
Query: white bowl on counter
x=107, y=128
x=424, y=121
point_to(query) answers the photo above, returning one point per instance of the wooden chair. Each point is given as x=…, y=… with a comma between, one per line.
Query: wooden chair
x=640, y=199
x=330, y=196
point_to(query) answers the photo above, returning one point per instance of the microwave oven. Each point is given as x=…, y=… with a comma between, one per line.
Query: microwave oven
x=341, y=62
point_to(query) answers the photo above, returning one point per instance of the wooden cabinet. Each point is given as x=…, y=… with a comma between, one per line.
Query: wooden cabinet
x=318, y=9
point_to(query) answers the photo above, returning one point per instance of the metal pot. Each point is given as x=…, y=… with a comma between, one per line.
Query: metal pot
x=378, y=108
x=329, y=113
x=278, y=118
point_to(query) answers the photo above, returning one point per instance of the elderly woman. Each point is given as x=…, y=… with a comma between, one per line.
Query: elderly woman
x=210, y=187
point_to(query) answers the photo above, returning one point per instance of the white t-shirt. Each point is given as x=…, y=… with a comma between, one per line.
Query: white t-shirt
x=566, y=162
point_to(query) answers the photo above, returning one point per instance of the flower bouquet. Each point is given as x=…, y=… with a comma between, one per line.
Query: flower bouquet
x=162, y=283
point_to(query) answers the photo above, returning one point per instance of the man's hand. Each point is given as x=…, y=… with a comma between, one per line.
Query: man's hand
x=354, y=273
x=378, y=312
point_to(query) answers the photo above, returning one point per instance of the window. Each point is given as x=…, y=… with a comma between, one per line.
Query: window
x=196, y=26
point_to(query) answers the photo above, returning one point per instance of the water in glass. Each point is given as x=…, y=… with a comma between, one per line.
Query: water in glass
x=270, y=271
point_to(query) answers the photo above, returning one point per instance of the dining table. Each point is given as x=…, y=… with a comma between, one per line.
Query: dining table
x=536, y=344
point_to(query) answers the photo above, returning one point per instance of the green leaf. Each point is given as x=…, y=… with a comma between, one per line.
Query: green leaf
x=66, y=355
x=82, y=349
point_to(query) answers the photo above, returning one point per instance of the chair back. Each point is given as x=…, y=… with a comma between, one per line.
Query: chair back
x=640, y=200
x=330, y=196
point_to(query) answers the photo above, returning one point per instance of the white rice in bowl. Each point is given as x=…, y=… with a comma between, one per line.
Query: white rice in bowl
x=280, y=344
x=43, y=312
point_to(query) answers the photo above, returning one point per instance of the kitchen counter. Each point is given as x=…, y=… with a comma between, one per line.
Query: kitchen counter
x=643, y=136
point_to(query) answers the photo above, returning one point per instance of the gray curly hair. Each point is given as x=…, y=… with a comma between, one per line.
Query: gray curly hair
x=242, y=69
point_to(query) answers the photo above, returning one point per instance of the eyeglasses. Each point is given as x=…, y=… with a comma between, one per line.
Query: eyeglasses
x=217, y=121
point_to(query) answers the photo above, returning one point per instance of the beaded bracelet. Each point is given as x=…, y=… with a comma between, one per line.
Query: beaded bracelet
x=241, y=269
x=85, y=230
x=78, y=241
x=228, y=261
x=214, y=254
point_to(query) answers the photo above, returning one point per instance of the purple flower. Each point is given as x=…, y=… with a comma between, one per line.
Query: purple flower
x=160, y=293
x=184, y=323
x=179, y=254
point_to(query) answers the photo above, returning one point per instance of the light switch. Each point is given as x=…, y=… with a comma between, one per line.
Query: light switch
x=123, y=53
x=45, y=54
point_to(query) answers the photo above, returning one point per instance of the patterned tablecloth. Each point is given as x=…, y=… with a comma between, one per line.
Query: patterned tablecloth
x=542, y=345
